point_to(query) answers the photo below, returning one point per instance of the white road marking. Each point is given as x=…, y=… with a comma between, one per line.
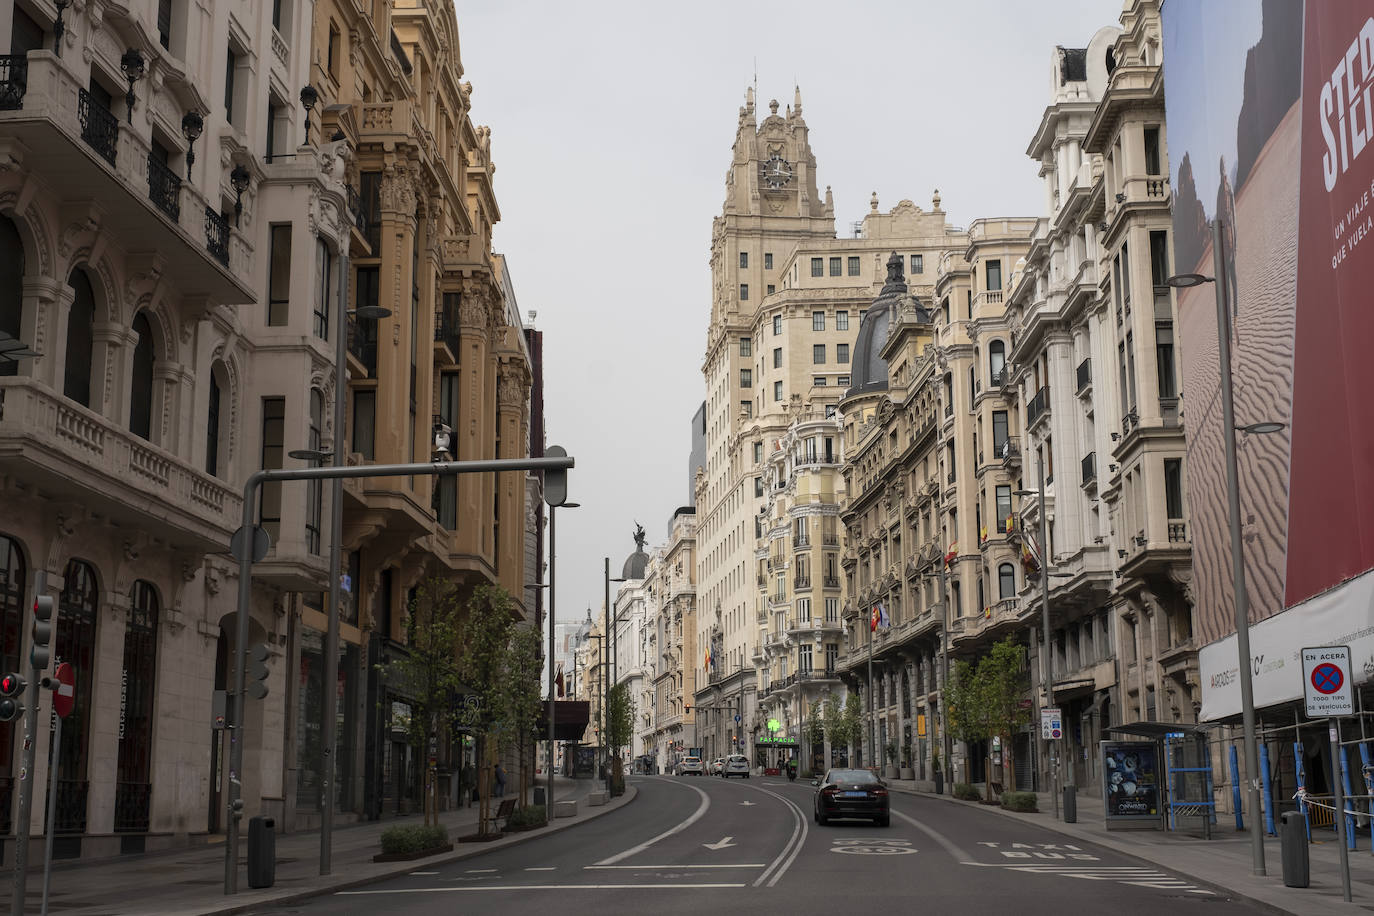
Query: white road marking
x=415, y=874
x=946, y=842
x=785, y=858
x=1137, y=875
x=747, y=803
x=524, y=887
x=667, y=867
x=635, y=850
x=720, y=844
x=480, y=871
x=540, y=868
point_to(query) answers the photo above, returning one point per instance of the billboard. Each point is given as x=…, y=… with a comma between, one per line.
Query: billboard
x=1269, y=116
x=1130, y=791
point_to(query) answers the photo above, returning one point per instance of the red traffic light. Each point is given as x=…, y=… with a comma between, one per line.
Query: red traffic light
x=11, y=685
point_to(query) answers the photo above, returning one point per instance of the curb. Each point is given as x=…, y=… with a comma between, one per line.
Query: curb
x=1114, y=845
x=631, y=792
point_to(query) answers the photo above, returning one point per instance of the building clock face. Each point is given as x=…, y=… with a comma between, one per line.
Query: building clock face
x=776, y=173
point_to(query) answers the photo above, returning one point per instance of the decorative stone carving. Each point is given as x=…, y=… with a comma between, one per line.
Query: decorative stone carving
x=397, y=190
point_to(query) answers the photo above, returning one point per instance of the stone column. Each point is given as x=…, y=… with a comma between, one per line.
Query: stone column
x=512, y=395
x=474, y=320
x=396, y=238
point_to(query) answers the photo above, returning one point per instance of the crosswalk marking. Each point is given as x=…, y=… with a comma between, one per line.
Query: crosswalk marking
x=1136, y=875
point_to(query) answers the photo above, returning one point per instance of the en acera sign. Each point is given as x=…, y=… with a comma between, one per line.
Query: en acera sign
x=1326, y=682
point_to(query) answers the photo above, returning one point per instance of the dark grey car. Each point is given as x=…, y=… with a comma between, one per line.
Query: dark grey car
x=851, y=793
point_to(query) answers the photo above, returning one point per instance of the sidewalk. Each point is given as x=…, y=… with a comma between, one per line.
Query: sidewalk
x=1223, y=863
x=190, y=881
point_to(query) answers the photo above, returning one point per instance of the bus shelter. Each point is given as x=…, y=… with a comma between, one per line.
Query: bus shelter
x=1157, y=776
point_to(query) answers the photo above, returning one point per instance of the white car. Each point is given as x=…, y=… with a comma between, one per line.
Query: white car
x=690, y=766
x=717, y=766
x=736, y=765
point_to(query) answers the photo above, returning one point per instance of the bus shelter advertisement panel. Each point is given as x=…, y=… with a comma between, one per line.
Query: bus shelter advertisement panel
x=1131, y=790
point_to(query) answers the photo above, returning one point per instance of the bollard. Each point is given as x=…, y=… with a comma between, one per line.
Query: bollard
x=1070, y=804
x=1293, y=845
x=262, y=852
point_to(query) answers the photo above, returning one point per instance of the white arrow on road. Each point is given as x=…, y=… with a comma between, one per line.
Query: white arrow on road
x=746, y=803
x=725, y=841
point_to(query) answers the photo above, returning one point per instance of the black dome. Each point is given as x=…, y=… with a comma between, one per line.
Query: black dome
x=870, y=369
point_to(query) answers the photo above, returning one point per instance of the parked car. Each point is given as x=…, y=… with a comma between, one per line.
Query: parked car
x=690, y=766
x=736, y=765
x=717, y=766
x=851, y=793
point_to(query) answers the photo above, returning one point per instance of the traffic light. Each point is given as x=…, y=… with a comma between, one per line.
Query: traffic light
x=256, y=685
x=11, y=689
x=555, y=479
x=40, y=654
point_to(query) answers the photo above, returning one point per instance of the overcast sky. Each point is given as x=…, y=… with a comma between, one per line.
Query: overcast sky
x=611, y=132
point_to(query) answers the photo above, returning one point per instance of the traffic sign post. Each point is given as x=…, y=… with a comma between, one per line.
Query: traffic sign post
x=1051, y=723
x=1328, y=692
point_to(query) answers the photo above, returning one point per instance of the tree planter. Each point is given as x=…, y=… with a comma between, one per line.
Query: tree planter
x=889, y=772
x=908, y=773
x=939, y=782
x=481, y=837
x=408, y=856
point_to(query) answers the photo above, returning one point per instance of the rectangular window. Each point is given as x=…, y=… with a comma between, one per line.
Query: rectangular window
x=832, y=652
x=818, y=267
x=835, y=267
x=758, y=487
x=324, y=286
x=273, y=115
x=818, y=321
x=446, y=485
x=768, y=260
x=273, y=450
x=744, y=259
x=777, y=391
x=1164, y=359
x=758, y=452
x=1121, y=365
x=370, y=190
x=279, y=275
x=276, y=14
x=777, y=325
x=1159, y=259
x=818, y=354
x=231, y=63
x=918, y=264
x=1126, y=275
x=999, y=432
x=853, y=265
x=744, y=292
x=746, y=408
x=842, y=381
x=365, y=423
x=777, y=357
x=804, y=610
x=164, y=23
x=841, y=353
x=332, y=57
x=818, y=381
x=771, y=289
x=994, y=275
x=746, y=378
x=1152, y=151
x=804, y=659
x=1130, y=365
x=1003, y=507
x=842, y=321
x=1173, y=486
x=746, y=346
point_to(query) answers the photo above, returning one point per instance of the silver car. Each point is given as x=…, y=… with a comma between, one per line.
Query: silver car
x=736, y=765
x=690, y=766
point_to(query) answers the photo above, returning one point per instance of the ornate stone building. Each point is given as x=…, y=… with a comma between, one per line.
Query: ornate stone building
x=672, y=587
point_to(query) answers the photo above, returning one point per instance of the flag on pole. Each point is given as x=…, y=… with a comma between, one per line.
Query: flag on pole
x=873, y=619
x=883, y=620
x=558, y=680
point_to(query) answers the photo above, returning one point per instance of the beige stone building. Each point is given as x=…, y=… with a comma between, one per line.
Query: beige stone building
x=672, y=585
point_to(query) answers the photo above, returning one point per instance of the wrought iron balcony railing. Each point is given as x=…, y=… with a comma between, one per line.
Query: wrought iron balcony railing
x=164, y=188
x=99, y=127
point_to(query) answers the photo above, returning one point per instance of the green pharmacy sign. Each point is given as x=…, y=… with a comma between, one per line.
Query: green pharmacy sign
x=774, y=725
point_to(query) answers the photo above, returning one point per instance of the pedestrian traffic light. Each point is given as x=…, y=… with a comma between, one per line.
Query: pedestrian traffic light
x=11, y=689
x=40, y=654
x=256, y=686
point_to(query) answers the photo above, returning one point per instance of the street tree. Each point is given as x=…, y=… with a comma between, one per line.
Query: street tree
x=429, y=668
x=619, y=731
x=521, y=699
x=484, y=635
x=1005, y=681
x=815, y=734
x=964, y=701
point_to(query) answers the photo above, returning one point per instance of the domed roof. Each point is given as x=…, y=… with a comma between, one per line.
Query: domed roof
x=638, y=562
x=869, y=368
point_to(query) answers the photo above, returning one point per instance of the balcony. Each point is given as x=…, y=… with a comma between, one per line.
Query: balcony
x=1129, y=423
x=446, y=336
x=949, y=478
x=1178, y=532
x=355, y=206
x=217, y=236
x=56, y=445
x=1089, y=468
x=949, y=410
x=831, y=540
x=1038, y=407
x=1085, y=376
x=1010, y=453
x=801, y=583
x=14, y=77
x=996, y=379
x=79, y=149
x=164, y=189
x=831, y=582
x=800, y=543
x=362, y=343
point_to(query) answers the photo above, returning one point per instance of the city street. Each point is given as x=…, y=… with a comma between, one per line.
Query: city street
x=693, y=842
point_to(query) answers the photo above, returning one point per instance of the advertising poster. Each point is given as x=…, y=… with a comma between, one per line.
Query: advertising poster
x=1130, y=789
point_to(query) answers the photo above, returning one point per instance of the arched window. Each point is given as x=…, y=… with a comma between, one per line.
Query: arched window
x=212, y=425
x=141, y=382
x=315, y=489
x=997, y=361
x=11, y=286
x=75, y=643
x=76, y=383
x=133, y=791
x=1006, y=581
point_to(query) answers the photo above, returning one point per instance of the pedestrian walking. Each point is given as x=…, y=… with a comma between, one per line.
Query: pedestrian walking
x=500, y=781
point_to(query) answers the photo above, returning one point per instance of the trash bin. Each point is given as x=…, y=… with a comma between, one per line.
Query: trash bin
x=262, y=851
x=539, y=795
x=1297, y=870
x=1070, y=804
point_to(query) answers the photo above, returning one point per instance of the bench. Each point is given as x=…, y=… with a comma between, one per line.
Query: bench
x=996, y=788
x=505, y=810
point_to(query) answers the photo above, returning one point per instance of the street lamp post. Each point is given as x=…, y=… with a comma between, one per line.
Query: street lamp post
x=1242, y=598
x=613, y=624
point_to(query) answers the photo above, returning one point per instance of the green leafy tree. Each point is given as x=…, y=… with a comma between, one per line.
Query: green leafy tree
x=430, y=670
x=964, y=701
x=619, y=729
x=815, y=734
x=844, y=721
x=521, y=699
x=1005, y=683
x=484, y=635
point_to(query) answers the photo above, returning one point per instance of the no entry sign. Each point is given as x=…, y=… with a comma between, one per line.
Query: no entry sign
x=64, y=697
x=1326, y=681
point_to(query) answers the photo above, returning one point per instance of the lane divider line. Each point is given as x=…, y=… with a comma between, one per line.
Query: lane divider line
x=949, y=845
x=695, y=816
x=664, y=867
x=793, y=846
x=527, y=887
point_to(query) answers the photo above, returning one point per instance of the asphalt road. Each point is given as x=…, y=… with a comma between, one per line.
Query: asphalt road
x=703, y=844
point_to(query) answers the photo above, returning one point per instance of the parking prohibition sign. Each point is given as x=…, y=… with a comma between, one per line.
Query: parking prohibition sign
x=1326, y=681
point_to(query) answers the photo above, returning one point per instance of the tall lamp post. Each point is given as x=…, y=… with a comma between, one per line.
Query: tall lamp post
x=553, y=566
x=612, y=624
x=1242, y=598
